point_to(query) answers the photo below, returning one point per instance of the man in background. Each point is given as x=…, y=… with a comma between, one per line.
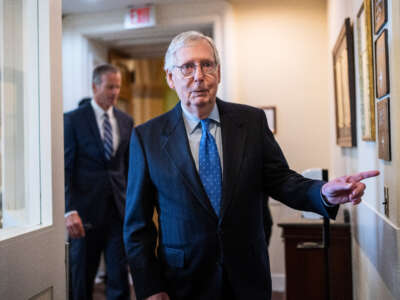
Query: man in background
x=96, y=144
x=84, y=101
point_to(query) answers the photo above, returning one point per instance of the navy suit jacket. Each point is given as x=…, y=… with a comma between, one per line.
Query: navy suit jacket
x=91, y=182
x=194, y=245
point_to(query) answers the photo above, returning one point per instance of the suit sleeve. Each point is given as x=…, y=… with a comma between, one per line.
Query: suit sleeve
x=140, y=234
x=126, y=154
x=284, y=184
x=69, y=161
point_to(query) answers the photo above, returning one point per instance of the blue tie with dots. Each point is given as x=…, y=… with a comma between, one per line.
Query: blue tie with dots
x=210, y=166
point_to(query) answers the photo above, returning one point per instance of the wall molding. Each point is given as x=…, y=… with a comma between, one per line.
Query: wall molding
x=379, y=240
x=278, y=282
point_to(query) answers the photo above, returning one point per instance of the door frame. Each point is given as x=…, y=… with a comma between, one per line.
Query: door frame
x=32, y=262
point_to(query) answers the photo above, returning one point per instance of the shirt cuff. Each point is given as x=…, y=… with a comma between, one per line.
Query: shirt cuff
x=70, y=213
x=325, y=201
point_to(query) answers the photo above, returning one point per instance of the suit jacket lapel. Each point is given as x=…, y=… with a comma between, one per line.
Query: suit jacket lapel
x=94, y=128
x=177, y=147
x=121, y=127
x=233, y=145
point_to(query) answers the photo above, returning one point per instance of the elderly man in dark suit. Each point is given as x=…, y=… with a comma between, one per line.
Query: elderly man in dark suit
x=96, y=166
x=207, y=166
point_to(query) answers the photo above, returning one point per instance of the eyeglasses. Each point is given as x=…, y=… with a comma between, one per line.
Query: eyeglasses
x=188, y=69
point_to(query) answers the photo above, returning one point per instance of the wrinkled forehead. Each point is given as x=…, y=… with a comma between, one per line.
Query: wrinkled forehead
x=194, y=51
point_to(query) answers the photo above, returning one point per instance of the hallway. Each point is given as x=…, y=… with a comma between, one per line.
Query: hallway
x=276, y=55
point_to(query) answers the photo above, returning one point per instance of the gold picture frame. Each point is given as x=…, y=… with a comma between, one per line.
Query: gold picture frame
x=380, y=14
x=382, y=81
x=366, y=72
x=384, y=142
x=344, y=83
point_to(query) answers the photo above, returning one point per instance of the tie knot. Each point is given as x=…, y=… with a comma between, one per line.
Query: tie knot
x=106, y=116
x=205, y=123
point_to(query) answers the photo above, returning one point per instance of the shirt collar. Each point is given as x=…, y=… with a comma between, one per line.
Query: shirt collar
x=99, y=112
x=193, y=121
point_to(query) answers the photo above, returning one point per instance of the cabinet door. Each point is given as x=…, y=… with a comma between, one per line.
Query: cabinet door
x=305, y=266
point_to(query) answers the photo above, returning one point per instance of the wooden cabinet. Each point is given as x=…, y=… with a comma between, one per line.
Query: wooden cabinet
x=305, y=266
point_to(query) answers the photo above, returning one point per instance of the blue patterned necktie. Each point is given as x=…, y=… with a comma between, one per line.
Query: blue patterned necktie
x=210, y=167
x=107, y=137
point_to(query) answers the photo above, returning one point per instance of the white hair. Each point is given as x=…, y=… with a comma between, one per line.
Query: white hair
x=183, y=39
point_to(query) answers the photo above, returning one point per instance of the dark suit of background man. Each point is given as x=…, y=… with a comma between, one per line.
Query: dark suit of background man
x=209, y=249
x=96, y=166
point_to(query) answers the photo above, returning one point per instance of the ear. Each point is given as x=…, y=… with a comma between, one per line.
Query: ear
x=219, y=73
x=170, y=81
x=94, y=88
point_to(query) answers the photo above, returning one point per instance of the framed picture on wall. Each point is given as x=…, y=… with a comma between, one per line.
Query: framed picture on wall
x=343, y=68
x=270, y=113
x=380, y=14
x=365, y=74
x=383, y=115
x=382, y=65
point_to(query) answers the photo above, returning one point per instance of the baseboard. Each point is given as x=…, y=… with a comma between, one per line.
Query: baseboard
x=278, y=282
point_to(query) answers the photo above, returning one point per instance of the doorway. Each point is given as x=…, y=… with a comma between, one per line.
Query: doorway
x=144, y=92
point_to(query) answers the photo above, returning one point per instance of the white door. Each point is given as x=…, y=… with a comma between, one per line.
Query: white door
x=32, y=253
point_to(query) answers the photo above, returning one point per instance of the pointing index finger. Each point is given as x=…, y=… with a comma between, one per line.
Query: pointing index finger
x=364, y=175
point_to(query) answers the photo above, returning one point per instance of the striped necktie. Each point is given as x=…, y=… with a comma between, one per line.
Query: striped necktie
x=210, y=167
x=107, y=137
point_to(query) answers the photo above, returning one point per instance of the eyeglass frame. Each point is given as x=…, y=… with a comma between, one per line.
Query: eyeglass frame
x=214, y=69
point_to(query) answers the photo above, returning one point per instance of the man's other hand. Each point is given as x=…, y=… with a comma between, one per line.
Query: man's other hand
x=74, y=226
x=159, y=296
x=346, y=188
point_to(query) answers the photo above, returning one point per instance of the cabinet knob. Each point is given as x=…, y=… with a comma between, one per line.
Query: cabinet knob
x=309, y=245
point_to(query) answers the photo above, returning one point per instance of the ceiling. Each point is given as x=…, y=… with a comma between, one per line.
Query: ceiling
x=87, y=6
x=138, y=43
x=148, y=42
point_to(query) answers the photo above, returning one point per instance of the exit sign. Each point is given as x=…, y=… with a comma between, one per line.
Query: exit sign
x=138, y=17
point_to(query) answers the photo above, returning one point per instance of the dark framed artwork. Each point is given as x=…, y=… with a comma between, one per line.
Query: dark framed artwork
x=380, y=14
x=383, y=116
x=382, y=65
x=366, y=70
x=343, y=67
x=270, y=113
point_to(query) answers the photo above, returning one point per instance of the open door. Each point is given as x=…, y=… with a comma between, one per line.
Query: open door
x=32, y=234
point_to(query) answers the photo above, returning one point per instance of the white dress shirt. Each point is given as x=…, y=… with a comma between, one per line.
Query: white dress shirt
x=99, y=113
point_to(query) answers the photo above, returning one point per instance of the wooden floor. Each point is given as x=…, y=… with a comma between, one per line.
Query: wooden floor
x=99, y=293
x=100, y=289
x=278, y=296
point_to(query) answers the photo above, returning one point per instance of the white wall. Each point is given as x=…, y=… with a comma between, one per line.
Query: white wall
x=80, y=55
x=281, y=50
x=282, y=54
x=375, y=237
